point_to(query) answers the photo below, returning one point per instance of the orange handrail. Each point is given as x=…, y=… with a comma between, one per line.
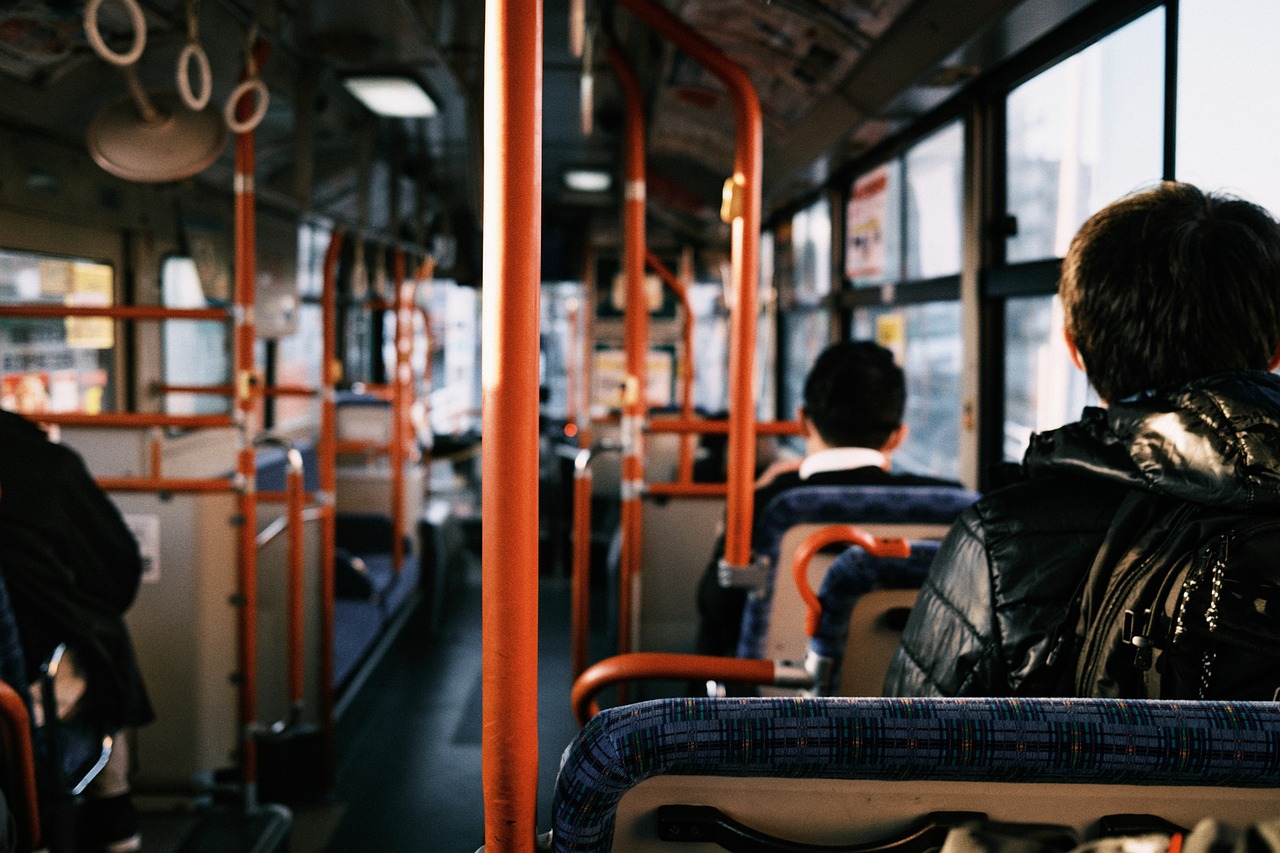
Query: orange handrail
x=687, y=490
x=635, y=404
x=118, y=312
x=132, y=419
x=399, y=392
x=400, y=407
x=580, y=592
x=831, y=535
x=229, y=390
x=247, y=387
x=580, y=588
x=571, y=371
x=509, y=373
x=166, y=484
x=642, y=665
x=327, y=462
x=684, y=469
x=22, y=767
x=742, y=208
x=294, y=497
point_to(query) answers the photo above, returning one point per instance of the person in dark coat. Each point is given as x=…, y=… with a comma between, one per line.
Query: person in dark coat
x=72, y=569
x=1172, y=305
x=854, y=397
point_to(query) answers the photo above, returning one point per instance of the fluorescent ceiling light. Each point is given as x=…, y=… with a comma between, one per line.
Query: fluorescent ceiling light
x=588, y=180
x=399, y=97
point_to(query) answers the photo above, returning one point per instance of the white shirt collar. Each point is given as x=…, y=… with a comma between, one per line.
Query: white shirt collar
x=840, y=459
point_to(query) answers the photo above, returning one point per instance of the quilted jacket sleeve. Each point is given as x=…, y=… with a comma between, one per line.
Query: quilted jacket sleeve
x=951, y=646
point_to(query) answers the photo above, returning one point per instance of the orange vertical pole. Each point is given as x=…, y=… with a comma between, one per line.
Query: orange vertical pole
x=634, y=404
x=571, y=372
x=509, y=374
x=400, y=390
x=328, y=465
x=294, y=496
x=21, y=765
x=742, y=210
x=580, y=595
x=684, y=472
x=247, y=391
x=587, y=344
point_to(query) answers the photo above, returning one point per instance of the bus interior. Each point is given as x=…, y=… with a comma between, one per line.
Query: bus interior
x=427, y=347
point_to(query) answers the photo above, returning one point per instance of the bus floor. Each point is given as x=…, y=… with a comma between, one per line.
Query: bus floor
x=408, y=775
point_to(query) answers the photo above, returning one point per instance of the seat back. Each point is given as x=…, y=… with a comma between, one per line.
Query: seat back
x=875, y=629
x=864, y=602
x=839, y=770
x=773, y=620
x=678, y=537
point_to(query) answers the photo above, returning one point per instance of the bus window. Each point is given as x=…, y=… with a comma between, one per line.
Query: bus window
x=710, y=347
x=298, y=355
x=934, y=213
x=903, y=236
x=1228, y=118
x=873, y=227
x=804, y=283
x=926, y=338
x=195, y=352
x=561, y=343
x=766, y=331
x=1082, y=134
x=455, y=360
x=1042, y=388
x=56, y=365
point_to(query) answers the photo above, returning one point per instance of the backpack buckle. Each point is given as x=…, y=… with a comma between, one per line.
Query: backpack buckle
x=1137, y=635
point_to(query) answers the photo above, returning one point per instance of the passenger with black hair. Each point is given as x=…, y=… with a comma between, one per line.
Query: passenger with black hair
x=854, y=398
x=1172, y=305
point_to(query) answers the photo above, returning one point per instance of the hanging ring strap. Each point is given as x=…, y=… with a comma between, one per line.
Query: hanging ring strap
x=251, y=84
x=194, y=100
x=259, y=89
x=94, y=34
x=194, y=51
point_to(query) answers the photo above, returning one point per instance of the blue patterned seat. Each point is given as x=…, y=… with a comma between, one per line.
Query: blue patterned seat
x=1067, y=741
x=862, y=505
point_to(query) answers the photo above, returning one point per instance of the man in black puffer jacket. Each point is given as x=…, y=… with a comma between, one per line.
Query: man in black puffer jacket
x=1172, y=304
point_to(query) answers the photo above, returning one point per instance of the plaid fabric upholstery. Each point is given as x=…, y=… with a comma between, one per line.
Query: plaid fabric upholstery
x=836, y=505
x=1141, y=742
x=855, y=573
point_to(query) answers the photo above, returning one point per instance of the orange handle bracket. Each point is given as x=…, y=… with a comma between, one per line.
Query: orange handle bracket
x=647, y=665
x=819, y=539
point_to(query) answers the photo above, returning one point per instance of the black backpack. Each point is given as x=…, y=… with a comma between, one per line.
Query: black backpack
x=1182, y=602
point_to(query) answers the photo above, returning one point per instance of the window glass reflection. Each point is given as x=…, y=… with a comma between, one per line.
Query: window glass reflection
x=1084, y=133
x=195, y=352
x=1043, y=389
x=1228, y=115
x=935, y=183
x=925, y=339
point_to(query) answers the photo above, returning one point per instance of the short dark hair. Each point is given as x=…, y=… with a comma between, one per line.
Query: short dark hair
x=854, y=395
x=1172, y=284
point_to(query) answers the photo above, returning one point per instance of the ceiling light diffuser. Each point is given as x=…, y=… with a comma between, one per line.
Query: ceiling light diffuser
x=397, y=97
x=588, y=180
